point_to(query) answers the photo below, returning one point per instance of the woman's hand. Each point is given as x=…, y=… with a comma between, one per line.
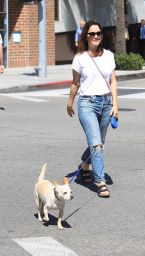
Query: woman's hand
x=70, y=111
x=1, y=69
x=114, y=112
x=73, y=91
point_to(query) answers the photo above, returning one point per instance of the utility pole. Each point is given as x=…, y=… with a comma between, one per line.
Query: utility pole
x=42, y=50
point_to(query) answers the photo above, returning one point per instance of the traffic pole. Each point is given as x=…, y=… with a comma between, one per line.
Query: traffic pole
x=42, y=48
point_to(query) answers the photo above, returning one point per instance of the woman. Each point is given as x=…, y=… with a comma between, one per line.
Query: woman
x=94, y=75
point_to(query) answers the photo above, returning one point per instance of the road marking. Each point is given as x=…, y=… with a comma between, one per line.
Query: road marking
x=33, y=95
x=131, y=88
x=27, y=96
x=46, y=93
x=133, y=96
x=44, y=246
x=19, y=97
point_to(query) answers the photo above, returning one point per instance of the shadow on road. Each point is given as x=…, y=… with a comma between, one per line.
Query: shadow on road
x=53, y=221
x=91, y=185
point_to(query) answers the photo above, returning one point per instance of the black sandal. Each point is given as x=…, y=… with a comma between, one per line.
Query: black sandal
x=103, y=191
x=85, y=175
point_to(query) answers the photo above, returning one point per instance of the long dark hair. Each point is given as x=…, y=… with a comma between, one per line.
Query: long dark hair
x=83, y=43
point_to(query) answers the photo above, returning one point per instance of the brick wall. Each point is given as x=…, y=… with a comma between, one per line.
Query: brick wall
x=50, y=32
x=24, y=18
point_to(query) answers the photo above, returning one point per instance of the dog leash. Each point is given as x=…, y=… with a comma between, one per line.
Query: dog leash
x=82, y=206
x=78, y=170
x=75, y=175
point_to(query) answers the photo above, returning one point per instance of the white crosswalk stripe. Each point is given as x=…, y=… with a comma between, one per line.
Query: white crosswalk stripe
x=19, y=97
x=44, y=246
x=133, y=96
x=27, y=96
x=42, y=95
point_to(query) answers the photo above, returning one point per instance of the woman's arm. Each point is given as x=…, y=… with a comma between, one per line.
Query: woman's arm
x=113, y=89
x=73, y=91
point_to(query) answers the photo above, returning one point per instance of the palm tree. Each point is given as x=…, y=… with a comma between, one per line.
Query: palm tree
x=120, y=44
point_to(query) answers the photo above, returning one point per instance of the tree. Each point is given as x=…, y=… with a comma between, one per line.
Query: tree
x=120, y=45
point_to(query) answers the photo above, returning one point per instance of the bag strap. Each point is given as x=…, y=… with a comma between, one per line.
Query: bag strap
x=99, y=71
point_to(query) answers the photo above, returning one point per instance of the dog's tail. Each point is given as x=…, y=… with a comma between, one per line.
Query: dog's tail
x=42, y=173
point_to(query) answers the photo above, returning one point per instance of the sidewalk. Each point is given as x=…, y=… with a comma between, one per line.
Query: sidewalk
x=59, y=76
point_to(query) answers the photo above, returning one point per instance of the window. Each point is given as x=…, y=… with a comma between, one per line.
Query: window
x=56, y=10
x=29, y=1
x=126, y=6
x=2, y=15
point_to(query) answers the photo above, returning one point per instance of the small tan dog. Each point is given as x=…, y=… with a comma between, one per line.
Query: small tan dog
x=51, y=196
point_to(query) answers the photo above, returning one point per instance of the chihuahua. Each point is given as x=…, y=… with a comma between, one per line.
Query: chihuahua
x=50, y=195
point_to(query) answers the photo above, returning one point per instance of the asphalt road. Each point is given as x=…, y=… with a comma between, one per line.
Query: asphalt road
x=34, y=132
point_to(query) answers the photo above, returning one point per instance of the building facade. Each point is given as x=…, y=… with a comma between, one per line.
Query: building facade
x=70, y=13
x=19, y=27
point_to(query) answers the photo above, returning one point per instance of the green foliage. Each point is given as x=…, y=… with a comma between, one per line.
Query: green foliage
x=129, y=61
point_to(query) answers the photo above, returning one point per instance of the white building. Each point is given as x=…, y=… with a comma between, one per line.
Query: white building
x=70, y=12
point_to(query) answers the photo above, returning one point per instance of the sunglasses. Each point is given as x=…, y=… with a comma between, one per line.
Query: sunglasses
x=92, y=34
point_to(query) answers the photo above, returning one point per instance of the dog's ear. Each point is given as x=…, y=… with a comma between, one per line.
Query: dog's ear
x=65, y=180
x=55, y=183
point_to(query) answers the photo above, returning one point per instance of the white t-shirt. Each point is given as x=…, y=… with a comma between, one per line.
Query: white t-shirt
x=91, y=81
x=1, y=41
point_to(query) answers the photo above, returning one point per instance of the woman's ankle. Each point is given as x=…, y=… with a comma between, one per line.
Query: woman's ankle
x=85, y=166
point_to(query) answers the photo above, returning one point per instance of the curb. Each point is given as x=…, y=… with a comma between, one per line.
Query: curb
x=130, y=76
x=38, y=87
x=63, y=84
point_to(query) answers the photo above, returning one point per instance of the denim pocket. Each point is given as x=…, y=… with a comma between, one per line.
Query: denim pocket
x=83, y=101
x=109, y=100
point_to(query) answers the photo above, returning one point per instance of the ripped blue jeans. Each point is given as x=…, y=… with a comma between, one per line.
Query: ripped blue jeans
x=94, y=116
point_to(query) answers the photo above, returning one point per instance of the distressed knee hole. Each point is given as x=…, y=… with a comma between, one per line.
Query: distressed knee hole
x=97, y=147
